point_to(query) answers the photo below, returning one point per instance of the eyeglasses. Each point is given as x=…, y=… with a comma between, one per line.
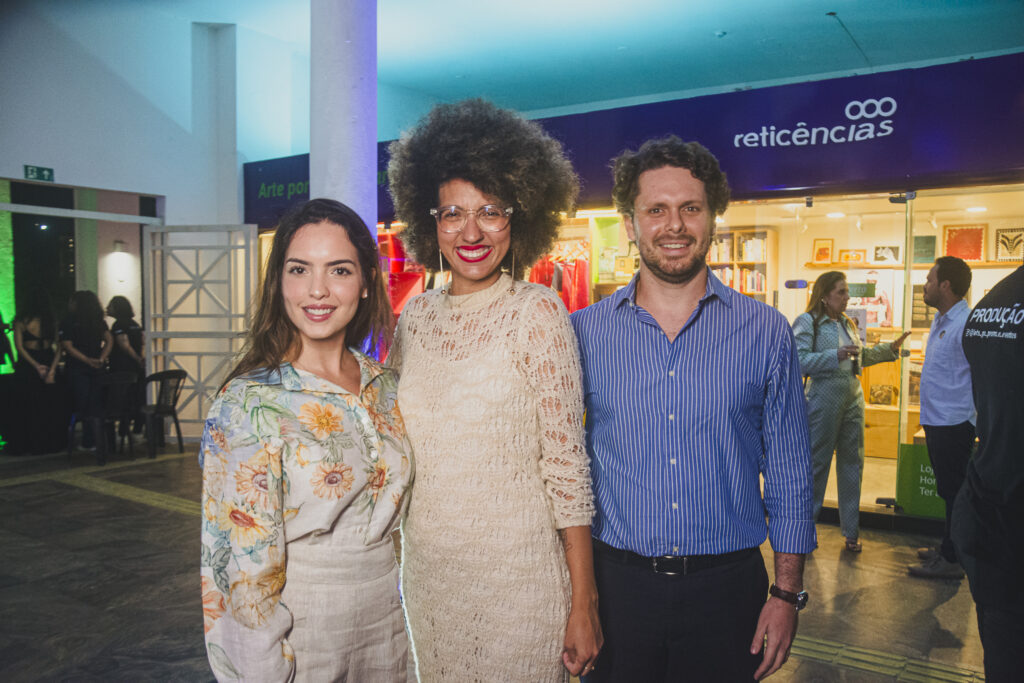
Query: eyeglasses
x=490, y=218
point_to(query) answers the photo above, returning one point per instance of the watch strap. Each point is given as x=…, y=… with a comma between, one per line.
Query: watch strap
x=798, y=600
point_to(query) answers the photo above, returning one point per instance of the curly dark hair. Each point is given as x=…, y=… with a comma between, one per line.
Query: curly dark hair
x=273, y=337
x=668, y=151
x=499, y=152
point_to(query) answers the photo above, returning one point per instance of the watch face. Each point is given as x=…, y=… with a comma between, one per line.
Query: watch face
x=801, y=600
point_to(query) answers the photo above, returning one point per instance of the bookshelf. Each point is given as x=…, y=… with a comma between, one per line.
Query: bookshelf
x=746, y=259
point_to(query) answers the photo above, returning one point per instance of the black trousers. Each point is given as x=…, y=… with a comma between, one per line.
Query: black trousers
x=694, y=627
x=949, y=449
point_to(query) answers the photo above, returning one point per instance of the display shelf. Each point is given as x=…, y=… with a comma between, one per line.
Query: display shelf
x=745, y=258
x=900, y=266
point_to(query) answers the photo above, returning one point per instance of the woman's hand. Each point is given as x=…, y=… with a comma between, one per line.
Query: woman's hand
x=895, y=345
x=50, y=377
x=583, y=638
x=42, y=370
x=94, y=362
x=848, y=351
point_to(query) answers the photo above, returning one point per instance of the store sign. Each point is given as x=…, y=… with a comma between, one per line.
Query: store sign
x=273, y=187
x=952, y=124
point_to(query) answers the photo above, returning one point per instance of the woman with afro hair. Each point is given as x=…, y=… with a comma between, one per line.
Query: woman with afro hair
x=497, y=568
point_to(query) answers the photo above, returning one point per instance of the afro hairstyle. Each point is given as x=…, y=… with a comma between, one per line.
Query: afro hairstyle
x=500, y=153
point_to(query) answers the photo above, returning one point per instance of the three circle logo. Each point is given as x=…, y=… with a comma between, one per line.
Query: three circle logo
x=869, y=109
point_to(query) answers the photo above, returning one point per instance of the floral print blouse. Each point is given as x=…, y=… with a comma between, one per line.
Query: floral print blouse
x=285, y=454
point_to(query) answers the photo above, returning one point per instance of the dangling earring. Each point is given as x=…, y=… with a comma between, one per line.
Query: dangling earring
x=440, y=272
x=512, y=285
x=365, y=294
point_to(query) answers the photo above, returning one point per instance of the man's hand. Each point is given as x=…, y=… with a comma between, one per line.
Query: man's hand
x=776, y=628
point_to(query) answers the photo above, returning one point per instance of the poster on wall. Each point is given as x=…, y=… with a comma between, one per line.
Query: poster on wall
x=964, y=241
x=924, y=248
x=874, y=297
x=822, y=252
x=886, y=255
x=1010, y=244
x=853, y=255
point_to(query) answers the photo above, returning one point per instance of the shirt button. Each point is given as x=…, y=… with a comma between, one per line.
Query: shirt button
x=675, y=506
x=671, y=373
x=675, y=549
x=672, y=461
x=671, y=416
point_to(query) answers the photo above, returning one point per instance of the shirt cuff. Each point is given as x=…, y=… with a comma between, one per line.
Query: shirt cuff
x=795, y=536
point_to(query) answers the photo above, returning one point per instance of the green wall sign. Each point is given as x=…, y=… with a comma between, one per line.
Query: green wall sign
x=38, y=173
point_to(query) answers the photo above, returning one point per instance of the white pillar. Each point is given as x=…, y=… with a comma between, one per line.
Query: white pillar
x=343, y=104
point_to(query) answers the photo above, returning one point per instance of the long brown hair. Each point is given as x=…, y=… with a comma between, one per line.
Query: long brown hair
x=824, y=285
x=273, y=337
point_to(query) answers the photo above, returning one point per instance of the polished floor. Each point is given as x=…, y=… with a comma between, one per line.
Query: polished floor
x=100, y=583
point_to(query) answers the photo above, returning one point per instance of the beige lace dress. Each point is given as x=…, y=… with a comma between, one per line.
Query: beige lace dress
x=491, y=395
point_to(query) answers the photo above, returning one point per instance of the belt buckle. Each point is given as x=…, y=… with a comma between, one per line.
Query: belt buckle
x=654, y=564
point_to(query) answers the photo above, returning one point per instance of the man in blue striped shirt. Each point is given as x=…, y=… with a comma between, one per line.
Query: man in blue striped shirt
x=693, y=392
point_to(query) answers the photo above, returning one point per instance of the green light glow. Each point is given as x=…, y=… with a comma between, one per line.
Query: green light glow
x=6, y=271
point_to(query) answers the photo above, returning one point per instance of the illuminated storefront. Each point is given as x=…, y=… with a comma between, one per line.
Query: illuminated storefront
x=873, y=175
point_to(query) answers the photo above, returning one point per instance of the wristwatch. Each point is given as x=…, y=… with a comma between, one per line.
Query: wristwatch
x=798, y=600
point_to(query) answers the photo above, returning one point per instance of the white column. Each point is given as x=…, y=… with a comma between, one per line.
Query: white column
x=343, y=104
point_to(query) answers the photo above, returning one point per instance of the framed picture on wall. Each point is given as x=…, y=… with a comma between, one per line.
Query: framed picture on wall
x=822, y=252
x=853, y=255
x=964, y=241
x=887, y=255
x=1009, y=244
x=924, y=248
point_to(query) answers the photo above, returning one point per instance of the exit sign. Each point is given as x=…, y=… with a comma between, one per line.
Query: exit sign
x=38, y=173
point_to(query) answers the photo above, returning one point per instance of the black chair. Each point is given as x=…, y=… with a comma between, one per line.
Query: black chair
x=118, y=403
x=169, y=384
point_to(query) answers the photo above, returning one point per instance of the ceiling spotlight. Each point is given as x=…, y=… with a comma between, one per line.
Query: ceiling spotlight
x=43, y=226
x=976, y=209
x=720, y=34
x=836, y=214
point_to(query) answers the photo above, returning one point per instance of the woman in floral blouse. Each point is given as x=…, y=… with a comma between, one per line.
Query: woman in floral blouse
x=305, y=470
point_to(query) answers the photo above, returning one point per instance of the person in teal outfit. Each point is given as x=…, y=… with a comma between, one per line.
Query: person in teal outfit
x=831, y=357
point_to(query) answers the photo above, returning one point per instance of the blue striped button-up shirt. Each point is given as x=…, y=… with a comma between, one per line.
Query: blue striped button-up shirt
x=678, y=432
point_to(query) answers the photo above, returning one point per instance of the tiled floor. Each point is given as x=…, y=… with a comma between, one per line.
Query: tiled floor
x=100, y=583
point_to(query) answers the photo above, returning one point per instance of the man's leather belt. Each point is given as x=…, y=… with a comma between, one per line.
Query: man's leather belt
x=672, y=564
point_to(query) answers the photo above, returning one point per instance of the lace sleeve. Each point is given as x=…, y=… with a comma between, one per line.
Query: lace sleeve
x=550, y=360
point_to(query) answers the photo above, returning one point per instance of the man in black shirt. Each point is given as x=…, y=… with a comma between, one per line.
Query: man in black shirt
x=988, y=517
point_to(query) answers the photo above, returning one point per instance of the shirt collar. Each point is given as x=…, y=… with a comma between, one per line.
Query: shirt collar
x=956, y=311
x=714, y=287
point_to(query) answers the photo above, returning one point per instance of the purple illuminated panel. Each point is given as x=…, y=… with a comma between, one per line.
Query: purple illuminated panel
x=940, y=126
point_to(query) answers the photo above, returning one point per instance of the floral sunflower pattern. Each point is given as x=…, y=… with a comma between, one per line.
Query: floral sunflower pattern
x=284, y=450
x=332, y=480
x=320, y=418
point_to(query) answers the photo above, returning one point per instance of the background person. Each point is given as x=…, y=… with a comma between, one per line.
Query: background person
x=692, y=394
x=127, y=354
x=490, y=390
x=831, y=356
x=987, y=514
x=947, y=407
x=305, y=470
x=87, y=343
x=40, y=402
